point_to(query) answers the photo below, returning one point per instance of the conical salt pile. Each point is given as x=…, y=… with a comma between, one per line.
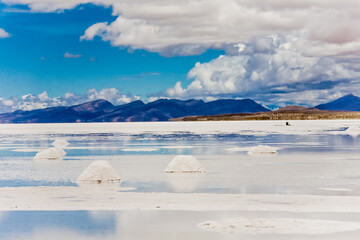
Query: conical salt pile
x=53, y=153
x=60, y=143
x=98, y=172
x=184, y=164
x=262, y=150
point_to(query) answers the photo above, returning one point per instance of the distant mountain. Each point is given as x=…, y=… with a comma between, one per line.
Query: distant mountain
x=78, y=113
x=160, y=110
x=224, y=106
x=104, y=111
x=346, y=103
x=292, y=108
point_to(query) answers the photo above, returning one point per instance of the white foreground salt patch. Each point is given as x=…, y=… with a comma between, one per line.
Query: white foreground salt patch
x=53, y=153
x=330, y=176
x=262, y=150
x=99, y=172
x=279, y=226
x=60, y=143
x=78, y=198
x=336, y=189
x=184, y=164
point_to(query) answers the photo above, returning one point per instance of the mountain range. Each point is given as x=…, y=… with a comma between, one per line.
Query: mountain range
x=348, y=102
x=136, y=111
x=160, y=110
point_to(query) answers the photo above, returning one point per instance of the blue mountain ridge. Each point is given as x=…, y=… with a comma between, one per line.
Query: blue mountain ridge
x=346, y=103
x=136, y=111
x=160, y=110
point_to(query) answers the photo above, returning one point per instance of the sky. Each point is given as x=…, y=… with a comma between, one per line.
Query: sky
x=278, y=52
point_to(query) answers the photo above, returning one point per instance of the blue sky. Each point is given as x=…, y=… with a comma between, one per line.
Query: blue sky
x=56, y=52
x=32, y=59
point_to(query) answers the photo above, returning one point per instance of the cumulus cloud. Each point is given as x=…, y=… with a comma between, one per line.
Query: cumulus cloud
x=4, y=34
x=274, y=49
x=112, y=95
x=48, y=5
x=190, y=27
x=70, y=55
x=30, y=102
x=269, y=68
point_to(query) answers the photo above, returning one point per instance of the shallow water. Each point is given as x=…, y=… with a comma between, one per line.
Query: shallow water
x=324, y=162
x=311, y=164
x=139, y=225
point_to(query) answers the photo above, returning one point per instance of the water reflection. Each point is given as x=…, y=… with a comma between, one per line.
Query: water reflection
x=140, y=225
x=21, y=225
x=186, y=182
x=120, y=144
x=307, y=162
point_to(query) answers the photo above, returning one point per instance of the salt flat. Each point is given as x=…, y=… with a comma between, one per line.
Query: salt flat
x=109, y=198
x=256, y=127
x=313, y=183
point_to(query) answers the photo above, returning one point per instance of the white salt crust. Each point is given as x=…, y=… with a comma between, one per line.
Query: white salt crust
x=99, y=172
x=262, y=150
x=279, y=226
x=53, y=153
x=184, y=164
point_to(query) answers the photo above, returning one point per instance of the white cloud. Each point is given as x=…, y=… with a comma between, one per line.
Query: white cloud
x=155, y=98
x=28, y=106
x=48, y=5
x=70, y=55
x=4, y=34
x=268, y=68
x=69, y=95
x=111, y=94
x=43, y=96
x=313, y=48
x=30, y=102
x=176, y=91
x=93, y=31
x=8, y=102
x=189, y=27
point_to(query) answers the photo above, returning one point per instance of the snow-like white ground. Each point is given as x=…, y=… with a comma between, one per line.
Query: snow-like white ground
x=99, y=172
x=278, y=226
x=317, y=184
x=254, y=127
x=107, y=197
x=314, y=174
x=184, y=164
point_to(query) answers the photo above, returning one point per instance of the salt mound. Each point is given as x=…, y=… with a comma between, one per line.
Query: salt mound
x=60, y=143
x=262, y=150
x=353, y=131
x=184, y=164
x=98, y=172
x=278, y=226
x=53, y=153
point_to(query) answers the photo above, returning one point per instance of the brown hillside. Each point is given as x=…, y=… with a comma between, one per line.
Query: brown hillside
x=306, y=114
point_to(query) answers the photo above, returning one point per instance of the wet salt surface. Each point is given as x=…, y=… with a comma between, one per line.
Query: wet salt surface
x=304, y=173
x=159, y=225
x=322, y=161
